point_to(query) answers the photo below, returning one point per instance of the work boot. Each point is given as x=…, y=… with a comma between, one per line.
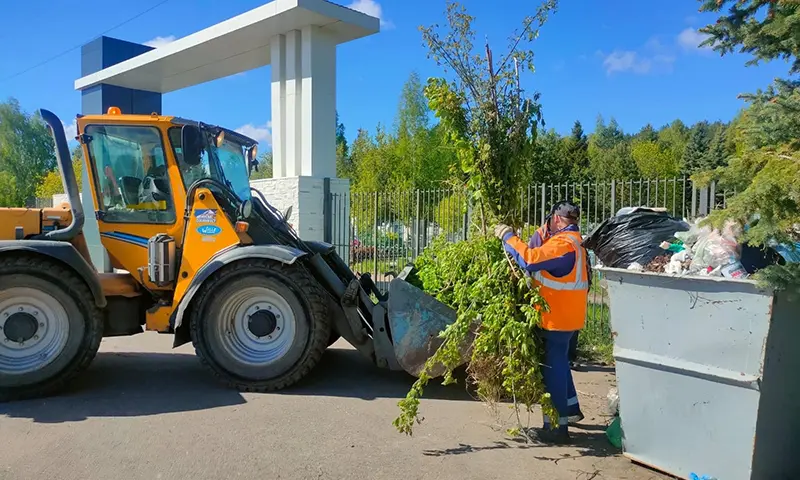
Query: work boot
x=547, y=435
x=576, y=417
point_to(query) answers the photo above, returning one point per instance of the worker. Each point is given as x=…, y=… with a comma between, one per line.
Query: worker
x=540, y=235
x=558, y=266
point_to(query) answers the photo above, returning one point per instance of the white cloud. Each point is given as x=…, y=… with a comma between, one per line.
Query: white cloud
x=159, y=42
x=690, y=39
x=71, y=130
x=259, y=133
x=622, y=61
x=651, y=58
x=373, y=9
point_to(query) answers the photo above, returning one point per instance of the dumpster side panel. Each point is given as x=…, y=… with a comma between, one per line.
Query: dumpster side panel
x=778, y=429
x=689, y=356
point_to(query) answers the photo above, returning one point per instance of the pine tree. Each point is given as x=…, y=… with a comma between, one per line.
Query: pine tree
x=766, y=29
x=695, y=153
x=647, y=134
x=577, y=152
x=717, y=154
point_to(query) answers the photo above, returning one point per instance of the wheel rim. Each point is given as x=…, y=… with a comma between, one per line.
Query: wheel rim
x=257, y=326
x=34, y=329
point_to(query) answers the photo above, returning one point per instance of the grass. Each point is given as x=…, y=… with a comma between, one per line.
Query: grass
x=595, y=342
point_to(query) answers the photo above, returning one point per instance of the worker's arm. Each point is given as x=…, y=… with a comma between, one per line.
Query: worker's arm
x=554, y=256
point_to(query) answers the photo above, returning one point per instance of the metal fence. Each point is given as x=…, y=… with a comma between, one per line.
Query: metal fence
x=387, y=230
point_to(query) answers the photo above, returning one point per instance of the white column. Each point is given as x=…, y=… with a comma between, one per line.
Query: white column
x=278, y=60
x=318, y=104
x=304, y=132
x=287, y=97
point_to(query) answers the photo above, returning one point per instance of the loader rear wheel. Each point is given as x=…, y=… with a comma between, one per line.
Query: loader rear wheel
x=261, y=325
x=50, y=327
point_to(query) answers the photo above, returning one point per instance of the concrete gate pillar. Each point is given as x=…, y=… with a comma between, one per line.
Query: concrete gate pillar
x=304, y=136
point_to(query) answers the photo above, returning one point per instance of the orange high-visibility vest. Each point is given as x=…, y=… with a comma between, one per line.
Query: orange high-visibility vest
x=566, y=296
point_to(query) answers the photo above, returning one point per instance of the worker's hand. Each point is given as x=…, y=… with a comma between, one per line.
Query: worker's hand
x=501, y=230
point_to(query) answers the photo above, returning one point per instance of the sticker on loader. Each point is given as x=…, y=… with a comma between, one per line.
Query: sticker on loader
x=206, y=215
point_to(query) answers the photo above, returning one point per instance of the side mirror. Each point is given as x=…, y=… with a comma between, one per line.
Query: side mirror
x=191, y=144
x=287, y=213
x=252, y=161
x=246, y=209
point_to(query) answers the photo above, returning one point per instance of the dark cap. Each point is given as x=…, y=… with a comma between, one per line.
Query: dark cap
x=566, y=209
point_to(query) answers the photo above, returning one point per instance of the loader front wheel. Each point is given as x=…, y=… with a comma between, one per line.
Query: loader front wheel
x=261, y=325
x=50, y=327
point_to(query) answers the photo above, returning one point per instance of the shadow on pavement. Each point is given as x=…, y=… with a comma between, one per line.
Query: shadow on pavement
x=584, y=444
x=122, y=384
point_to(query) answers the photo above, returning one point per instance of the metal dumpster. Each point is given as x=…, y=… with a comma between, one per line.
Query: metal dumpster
x=708, y=371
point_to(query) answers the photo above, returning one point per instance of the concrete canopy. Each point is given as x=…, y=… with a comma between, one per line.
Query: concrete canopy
x=236, y=45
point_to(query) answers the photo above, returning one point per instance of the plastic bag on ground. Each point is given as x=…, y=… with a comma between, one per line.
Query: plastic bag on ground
x=613, y=401
x=614, y=433
x=634, y=237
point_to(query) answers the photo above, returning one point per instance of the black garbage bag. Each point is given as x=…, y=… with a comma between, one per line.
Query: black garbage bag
x=634, y=237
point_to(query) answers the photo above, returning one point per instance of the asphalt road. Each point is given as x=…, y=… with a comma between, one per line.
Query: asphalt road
x=143, y=411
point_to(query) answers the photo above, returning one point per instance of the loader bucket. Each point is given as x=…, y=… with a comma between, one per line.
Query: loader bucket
x=415, y=320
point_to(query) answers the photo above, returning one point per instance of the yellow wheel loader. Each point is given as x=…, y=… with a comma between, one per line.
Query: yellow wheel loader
x=202, y=256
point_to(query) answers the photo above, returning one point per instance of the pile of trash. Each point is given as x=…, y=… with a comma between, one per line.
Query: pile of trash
x=651, y=240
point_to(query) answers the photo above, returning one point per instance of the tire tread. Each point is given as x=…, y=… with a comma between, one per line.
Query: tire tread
x=310, y=293
x=73, y=285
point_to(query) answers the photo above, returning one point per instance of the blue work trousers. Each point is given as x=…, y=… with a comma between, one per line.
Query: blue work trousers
x=558, y=376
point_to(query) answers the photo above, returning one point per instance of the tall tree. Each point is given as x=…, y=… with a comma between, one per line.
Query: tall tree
x=647, y=134
x=551, y=163
x=577, y=152
x=607, y=136
x=673, y=139
x=652, y=160
x=344, y=164
x=421, y=162
x=718, y=153
x=610, y=153
x=696, y=149
x=26, y=150
x=52, y=184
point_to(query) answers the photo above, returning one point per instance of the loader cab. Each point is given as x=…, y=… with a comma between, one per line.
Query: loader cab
x=140, y=174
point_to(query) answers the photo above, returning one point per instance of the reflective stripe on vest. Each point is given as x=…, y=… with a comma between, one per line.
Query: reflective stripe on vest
x=580, y=282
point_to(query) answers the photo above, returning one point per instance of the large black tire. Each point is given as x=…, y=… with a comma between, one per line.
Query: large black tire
x=68, y=334
x=230, y=297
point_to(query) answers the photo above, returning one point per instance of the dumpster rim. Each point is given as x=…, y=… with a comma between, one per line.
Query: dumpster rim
x=677, y=277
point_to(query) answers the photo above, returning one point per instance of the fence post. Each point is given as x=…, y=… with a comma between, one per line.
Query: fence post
x=416, y=226
x=613, y=197
x=712, y=202
x=703, y=207
x=375, y=238
x=544, y=208
x=327, y=211
x=466, y=220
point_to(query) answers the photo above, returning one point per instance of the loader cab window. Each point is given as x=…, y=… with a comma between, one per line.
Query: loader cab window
x=130, y=170
x=231, y=159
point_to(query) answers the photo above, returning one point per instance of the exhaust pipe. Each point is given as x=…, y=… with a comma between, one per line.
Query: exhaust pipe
x=67, y=179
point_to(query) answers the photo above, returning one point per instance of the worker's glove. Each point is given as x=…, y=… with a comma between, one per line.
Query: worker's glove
x=501, y=230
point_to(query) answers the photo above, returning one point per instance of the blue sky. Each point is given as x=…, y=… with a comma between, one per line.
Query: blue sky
x=636, y=61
